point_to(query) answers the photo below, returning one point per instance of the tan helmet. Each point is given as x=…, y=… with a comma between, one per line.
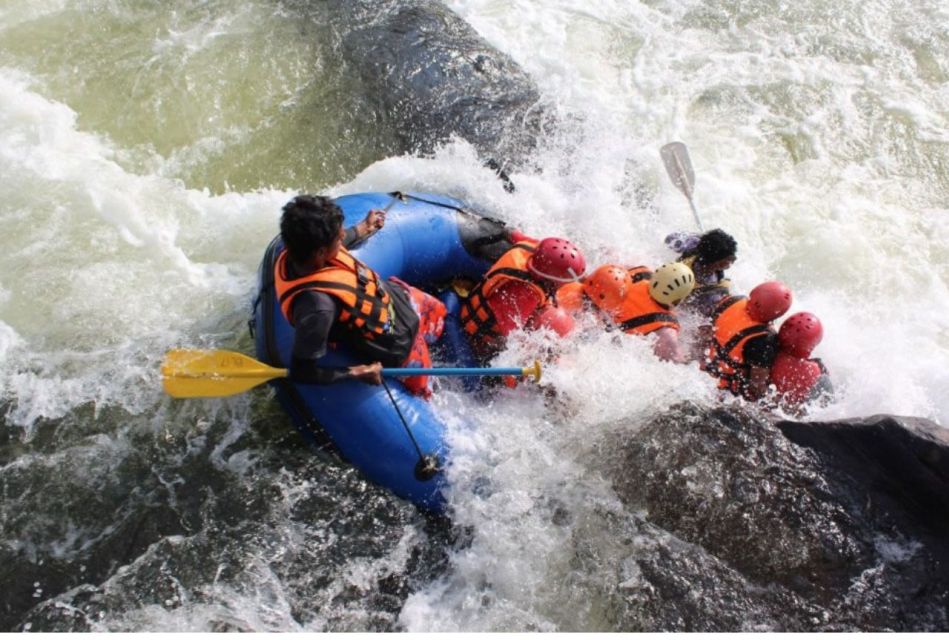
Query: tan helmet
x=671, y=283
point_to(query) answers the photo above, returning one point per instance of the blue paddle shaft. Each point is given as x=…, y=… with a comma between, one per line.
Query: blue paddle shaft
x=453, y=371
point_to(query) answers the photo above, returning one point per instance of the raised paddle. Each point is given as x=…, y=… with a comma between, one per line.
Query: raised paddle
x=196, y=373
x=675, y=156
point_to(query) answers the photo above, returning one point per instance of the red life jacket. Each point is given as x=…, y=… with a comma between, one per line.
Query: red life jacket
x=477, y=317
x=794, y=377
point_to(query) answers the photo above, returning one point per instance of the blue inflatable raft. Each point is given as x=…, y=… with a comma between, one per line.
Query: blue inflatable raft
x=428, y=241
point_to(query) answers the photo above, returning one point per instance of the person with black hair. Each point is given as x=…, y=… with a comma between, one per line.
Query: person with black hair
x=329, y=296
x=708, y=255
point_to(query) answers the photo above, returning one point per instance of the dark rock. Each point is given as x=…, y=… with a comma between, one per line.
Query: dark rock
x=831, y=526
x=647, y=579
x=900, y=465
x=434, y=77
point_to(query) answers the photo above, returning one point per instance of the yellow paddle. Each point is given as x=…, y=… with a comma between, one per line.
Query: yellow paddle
x=193, y=373
x=196, y=373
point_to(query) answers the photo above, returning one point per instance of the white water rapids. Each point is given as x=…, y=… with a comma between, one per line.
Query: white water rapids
x=145, y=151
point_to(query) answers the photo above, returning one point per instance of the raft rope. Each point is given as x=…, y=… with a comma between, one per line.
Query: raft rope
x=428, y=465
x=480, y=242
x=444, y=205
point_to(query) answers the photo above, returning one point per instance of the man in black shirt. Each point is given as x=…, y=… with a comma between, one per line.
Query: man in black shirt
x=331, y=297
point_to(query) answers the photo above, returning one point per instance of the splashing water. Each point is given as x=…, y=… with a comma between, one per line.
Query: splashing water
x=145, y=153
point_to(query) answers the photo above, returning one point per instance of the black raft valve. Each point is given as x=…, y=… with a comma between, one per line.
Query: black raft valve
x=427, y=467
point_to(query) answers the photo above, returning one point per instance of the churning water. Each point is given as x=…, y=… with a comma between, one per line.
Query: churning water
x=145, y=151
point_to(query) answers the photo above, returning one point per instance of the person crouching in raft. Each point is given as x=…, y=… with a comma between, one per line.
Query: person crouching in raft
x=518, y=291
x=637, y=301
x=327, y=295
x=744, y=343
x=797, y=378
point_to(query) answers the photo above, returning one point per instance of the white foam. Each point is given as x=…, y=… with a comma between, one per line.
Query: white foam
x=122, y=260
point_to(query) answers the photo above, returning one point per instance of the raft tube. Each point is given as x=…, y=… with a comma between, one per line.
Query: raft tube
x=428, y=241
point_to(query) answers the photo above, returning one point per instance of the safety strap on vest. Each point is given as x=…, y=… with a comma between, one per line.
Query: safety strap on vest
x=707, y=288
x=367, y=312
x=520, y=274
x=477, y=318
x=639, y=321
x=732, y=375
x=747, y=332
x=724, y=305
x=365, y=315
x=721, y=364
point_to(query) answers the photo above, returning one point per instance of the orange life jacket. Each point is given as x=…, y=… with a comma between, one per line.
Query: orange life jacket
x=732, y=327
x=638, y=313
x=641, y=315
x=475, y=314
x=571, y=297
x=365, y=307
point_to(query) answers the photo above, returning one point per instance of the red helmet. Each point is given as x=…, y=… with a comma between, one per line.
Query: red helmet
x=557, y=259
x=800, y=334
x=769, y=300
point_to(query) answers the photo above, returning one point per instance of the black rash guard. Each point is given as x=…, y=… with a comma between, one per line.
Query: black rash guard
x=313, y=316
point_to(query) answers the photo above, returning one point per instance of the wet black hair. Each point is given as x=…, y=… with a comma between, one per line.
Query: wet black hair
x=309, y=223
x=713, y=246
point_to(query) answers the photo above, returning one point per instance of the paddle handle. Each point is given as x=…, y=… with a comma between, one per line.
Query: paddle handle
x=397, y=196
x=531, y=371
x=695, y=214
x=197, y=373
x=452, y=371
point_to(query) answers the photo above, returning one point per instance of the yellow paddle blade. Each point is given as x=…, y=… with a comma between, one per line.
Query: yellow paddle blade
x=195, y=373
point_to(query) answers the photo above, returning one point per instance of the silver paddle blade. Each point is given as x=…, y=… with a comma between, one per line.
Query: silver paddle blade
x=675, y=156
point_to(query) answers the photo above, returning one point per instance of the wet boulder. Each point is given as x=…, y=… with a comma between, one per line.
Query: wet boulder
x=431, y=76
x=830, y=526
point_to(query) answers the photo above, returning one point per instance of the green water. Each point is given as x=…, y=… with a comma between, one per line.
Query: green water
x=222, y=95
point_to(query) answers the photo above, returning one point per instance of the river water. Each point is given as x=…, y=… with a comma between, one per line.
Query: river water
x=145, y=151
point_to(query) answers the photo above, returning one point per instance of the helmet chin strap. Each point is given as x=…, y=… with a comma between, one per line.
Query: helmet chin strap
x=573, y=275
